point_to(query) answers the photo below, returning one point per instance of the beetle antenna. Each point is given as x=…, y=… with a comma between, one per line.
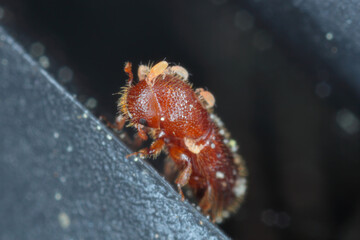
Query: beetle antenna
x=128, y=71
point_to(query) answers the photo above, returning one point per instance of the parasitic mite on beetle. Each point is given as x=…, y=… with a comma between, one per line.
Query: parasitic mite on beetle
x=181, y=122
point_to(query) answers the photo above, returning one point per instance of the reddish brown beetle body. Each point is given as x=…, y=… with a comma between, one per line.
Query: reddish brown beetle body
x=179, y=119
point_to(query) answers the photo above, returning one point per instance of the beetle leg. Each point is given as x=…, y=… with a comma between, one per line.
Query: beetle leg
x=141, y=132
x=183, y=179
x=180, y=157
x=154, y=149
x=170, y=169
x=206, y=201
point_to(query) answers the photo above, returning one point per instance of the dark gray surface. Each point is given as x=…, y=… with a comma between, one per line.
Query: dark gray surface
x=64, y=176
x=323, y=30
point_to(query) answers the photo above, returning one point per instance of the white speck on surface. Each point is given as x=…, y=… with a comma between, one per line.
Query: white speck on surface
x=240, y=187
x=91, y=103
x=348, y=121
x=162, y=119
x=58, y=196
x=44, y=61
x=37, y=49
x=219, y=220
x=220, y=175
x=64, y=220
x=212, y=145
x=98, y=127
x=156, y=235
x=233, y=145
x=161, y=134
x=109, y=137
x=56, y=135
x=329, y=36
x=63, y=179
x=222, y=132
x=225, y=214
x=65, y=74
x=218, y=121
x=237, y=159
x=85, y=115
x=69, y=148
x=136, y=159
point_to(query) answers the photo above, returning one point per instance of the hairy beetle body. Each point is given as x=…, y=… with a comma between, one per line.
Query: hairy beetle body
x=164, y=105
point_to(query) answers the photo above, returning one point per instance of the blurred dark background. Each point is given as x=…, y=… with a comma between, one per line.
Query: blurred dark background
x=277, y=73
